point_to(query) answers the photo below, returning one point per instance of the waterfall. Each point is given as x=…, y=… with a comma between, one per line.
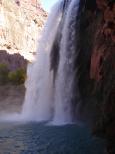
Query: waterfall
x=46, y=99
x=50, y=94
x=66, y=74
x=39, y=94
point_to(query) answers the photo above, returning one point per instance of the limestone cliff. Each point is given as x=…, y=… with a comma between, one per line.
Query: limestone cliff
x=20, y=26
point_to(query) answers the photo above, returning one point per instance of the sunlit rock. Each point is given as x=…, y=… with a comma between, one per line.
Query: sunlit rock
x=20, y=25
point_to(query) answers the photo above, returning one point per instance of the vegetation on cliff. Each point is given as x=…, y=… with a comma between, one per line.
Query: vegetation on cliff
x=15, y=77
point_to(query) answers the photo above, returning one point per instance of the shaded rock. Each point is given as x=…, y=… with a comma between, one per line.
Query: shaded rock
x=13, y=61
x=97, y=67
x=101, y=81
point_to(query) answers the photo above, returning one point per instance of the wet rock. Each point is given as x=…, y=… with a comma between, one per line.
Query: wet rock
x=97, y=68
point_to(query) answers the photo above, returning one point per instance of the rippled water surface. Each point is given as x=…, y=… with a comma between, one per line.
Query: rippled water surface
x=34, y=138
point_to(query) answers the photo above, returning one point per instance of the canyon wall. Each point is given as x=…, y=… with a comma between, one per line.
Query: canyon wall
x=97, y=66
x=20, y=25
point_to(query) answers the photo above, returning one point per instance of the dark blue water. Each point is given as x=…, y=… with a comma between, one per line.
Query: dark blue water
x=36, y=138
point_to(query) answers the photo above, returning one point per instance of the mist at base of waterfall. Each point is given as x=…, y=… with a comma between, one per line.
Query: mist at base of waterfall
x=19, y=117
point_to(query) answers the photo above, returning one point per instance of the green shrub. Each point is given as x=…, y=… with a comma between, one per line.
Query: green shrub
x=17, y=77
x=3, y=73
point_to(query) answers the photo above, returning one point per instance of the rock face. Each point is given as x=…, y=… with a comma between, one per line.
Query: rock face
x=13, y=61
x=103, y=71
x=20, y=24
x=97, y=64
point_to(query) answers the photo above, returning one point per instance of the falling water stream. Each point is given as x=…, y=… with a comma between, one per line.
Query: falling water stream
x=44, y=100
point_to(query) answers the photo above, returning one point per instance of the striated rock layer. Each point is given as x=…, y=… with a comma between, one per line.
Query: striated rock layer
x=20, y=24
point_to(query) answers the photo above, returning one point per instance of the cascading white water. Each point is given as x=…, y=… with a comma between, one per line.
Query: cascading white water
x=42, y=101
x=65, y=75
x=38, y=100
